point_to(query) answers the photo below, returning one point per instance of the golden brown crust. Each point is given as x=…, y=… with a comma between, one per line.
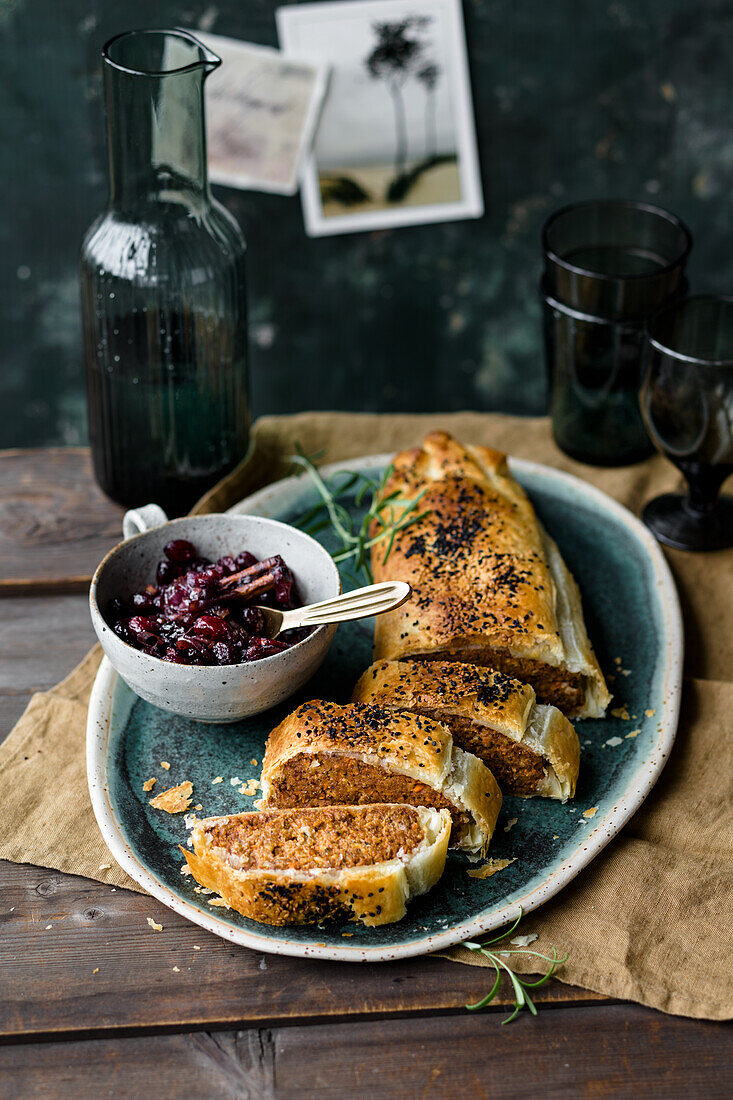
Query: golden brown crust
x=484, y=574
x=399, y=743
x=373, y=893
x=478, y=693
x=419, y=748
x=487, y=700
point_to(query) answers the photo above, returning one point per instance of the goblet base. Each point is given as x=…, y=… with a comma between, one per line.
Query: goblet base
x=674, y=523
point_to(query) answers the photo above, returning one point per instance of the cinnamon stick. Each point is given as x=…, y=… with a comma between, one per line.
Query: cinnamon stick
x=253, y=588
x=250, y=572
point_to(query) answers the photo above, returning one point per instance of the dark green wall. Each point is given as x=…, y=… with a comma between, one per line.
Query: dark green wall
x=573, y=100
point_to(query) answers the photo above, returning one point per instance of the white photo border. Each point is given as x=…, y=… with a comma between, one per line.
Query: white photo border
x=471, y=204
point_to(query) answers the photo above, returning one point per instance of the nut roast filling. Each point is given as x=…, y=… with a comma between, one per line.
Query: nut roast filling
x=325, y=779
x=348, y=836
x=516, y=769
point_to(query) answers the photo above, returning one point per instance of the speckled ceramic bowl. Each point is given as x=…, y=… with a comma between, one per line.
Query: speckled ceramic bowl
x=224, y=693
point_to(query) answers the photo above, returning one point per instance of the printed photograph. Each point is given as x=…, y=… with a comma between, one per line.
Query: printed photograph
x=395, y=144
x=261, y=113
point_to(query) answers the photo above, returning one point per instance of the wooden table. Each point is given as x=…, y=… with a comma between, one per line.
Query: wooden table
x=94, y=1004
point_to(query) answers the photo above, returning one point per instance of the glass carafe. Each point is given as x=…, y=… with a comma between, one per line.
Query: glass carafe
x=163, y=287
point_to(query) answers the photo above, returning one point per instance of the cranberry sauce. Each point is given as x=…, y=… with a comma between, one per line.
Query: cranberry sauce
x=201, y=612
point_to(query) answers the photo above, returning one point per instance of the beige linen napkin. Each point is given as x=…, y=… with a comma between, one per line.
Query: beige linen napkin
x=650, y=919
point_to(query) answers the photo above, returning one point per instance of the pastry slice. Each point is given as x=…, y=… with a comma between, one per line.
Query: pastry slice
x=330, y=863
x=325, y=754
x=490, y=587
x=531, y=748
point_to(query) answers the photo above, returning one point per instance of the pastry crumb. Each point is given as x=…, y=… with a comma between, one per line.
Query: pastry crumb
x=156, y=927
x=634, y=733
x=621, y=712
x=196, y=947
x=510, y=824
x=105, y=866
x=591, y=812
x=250, y=788
x=489, y=868
x=650, y=713
x=175, y=800
x=236, y=779
x=185, y=869
x=525, y=941
x=614, y=741
x=556, y=836
x=198, y=807
x=253, y=762
x=150, y=783
x=347, y=935
x=219, y=779
x=96, y=970
x=219, y=902
x=176, y=970
x=48, y=927
x=166, y=765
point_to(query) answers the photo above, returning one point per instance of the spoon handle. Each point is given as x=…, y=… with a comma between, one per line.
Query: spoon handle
x=374, y=599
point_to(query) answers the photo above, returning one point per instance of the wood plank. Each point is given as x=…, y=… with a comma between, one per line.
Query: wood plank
x=100, y=966
x=55, y=522
x=41, y=639
x=604, y=1050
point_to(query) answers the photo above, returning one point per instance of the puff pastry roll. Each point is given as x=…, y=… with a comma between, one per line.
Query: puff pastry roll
x=324, y=754
x=530, y=748
x=331, y=863
x=490, y=586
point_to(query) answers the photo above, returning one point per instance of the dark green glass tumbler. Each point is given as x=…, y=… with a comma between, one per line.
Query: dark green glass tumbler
x=608, y=266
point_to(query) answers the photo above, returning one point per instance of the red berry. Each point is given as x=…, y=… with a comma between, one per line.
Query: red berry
x=180, y=551
x=211, y=626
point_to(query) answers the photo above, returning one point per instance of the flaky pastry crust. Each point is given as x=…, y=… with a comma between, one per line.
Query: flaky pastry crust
x=488, y=700
x=485, y=575
x=400, y=743
x=371, y=893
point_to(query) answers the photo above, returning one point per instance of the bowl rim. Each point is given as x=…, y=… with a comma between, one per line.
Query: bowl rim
x=171, y=667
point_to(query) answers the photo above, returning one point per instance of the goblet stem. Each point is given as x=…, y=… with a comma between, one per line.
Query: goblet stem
x=703, y=486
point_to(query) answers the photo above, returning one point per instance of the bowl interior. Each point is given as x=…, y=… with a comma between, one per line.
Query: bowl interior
x=131, y=565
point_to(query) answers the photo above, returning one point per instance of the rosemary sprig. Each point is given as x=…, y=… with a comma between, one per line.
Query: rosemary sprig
x=522, y=998
x=387, y=514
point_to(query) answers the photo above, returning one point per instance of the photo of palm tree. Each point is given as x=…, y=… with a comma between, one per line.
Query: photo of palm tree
x=401, y=54
x=395, y=143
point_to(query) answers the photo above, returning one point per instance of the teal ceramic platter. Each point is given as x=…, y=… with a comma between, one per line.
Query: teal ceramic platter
x=634, y=621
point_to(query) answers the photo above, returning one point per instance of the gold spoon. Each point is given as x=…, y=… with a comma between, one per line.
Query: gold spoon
x=374, y=599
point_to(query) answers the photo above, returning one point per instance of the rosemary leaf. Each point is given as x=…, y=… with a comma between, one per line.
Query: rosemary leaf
x=521, y=987
x=386, y=513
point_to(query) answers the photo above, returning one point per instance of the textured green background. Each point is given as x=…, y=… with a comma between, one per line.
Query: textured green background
x=573, y=100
